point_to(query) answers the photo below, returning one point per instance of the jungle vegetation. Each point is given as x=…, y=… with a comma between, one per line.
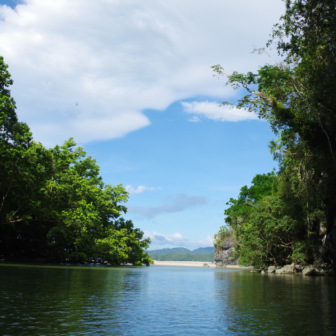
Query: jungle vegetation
x=54, y=204
x=291, y=215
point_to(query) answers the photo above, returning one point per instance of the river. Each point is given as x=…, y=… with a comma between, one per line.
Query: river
x=160, y=300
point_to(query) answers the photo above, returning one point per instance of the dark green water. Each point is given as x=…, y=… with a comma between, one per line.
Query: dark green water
x=162, y=301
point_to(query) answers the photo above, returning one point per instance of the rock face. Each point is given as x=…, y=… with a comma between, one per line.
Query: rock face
x=224, y=253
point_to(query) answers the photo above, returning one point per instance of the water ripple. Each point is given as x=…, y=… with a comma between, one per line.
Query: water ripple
x=162, y=301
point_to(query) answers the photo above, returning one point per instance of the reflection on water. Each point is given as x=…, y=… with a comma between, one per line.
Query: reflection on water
x=277, y=305
x=162, y=301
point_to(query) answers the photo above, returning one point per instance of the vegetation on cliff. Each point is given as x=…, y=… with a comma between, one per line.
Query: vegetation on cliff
x=54, y=205
x=293, y=220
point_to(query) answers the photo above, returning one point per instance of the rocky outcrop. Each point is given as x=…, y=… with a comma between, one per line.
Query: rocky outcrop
x=309, y=270
x=317, y=270
x=288, y=269
x=224, y=253
x=300, y=270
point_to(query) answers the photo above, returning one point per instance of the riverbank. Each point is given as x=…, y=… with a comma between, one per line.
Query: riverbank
x=193, y=264
x=104, y=266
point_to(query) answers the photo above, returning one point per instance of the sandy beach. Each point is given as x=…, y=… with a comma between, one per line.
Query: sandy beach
x=192, y=264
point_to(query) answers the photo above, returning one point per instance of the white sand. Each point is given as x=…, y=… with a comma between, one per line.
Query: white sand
x=192, y=264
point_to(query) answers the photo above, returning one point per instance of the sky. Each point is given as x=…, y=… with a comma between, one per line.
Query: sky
x=131, y=82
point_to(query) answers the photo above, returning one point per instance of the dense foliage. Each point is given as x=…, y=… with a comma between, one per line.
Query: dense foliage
x=54, y=205
x=297, y=97
x=269, y=224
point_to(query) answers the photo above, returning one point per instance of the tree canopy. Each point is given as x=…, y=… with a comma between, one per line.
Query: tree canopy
x=297, y=97
x=54, y=203
x=269, y=226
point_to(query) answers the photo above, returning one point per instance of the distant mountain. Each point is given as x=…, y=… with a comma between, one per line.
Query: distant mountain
x=176, y=253
x=204, y=250
x=182, y=257
x=175, y=250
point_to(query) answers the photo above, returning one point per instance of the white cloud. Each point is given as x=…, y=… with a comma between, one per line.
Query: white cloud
x=176, y=239
x=174, y=204
x=139, y=189
x=213, y=110
x=194, y=119
x=117, y=58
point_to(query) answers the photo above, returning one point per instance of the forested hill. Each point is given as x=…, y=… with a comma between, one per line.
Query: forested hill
x=183, y=254
x=179, y=250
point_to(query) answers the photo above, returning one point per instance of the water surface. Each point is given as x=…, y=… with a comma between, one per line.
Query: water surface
x=160, y=300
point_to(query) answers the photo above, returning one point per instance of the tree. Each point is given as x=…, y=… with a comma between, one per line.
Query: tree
x=262, y=185
x=297, y=97
x=54, y=203
x=268, y=224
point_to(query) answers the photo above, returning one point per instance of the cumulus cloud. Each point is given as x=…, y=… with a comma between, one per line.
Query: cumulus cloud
x=175, y=204
x=89, y=69
x=139, y=189
x=176, y=239
x=213, y=110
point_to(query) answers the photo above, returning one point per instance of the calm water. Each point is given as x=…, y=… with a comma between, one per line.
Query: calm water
x=162, y=301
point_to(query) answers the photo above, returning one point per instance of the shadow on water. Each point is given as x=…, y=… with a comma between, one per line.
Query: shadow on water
x=63, y=301
x=255, y=304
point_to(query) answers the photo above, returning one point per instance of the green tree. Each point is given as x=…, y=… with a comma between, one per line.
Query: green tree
x=262, y=185
x=297, y=97
x=54, y=203
x=268, y=223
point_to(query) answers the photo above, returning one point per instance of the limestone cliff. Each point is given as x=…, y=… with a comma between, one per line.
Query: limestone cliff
x=224, y=252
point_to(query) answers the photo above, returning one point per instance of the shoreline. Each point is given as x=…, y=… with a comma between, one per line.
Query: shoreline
x=195, y=264
x=204, y=264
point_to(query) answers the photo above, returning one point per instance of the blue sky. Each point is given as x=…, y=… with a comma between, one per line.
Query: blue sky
x=194, y=169
x=131, y=82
